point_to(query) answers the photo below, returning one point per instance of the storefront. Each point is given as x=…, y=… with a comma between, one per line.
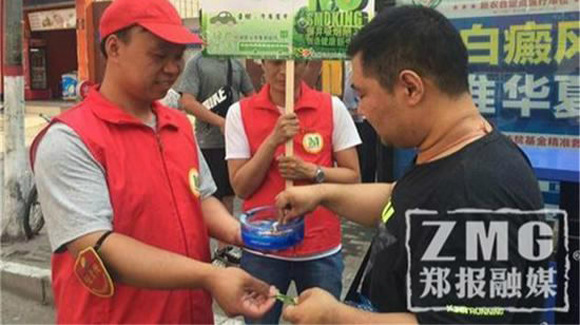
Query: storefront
x=49, y=49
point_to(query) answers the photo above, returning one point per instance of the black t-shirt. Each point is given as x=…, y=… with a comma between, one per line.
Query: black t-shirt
x=490, y=173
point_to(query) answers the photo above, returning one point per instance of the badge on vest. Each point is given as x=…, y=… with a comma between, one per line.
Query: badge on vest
x=313, y=142
x=194, y=181
x=92, y=273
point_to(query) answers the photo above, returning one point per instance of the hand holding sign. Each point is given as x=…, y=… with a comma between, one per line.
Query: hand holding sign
x=294, y=168
x=286, y=128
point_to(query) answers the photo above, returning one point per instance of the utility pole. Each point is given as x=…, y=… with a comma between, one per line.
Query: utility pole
x=14, y=147
x=83, y=38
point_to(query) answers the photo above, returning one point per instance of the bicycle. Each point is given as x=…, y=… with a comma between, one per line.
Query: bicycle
x=33, y=219
x=227, y=256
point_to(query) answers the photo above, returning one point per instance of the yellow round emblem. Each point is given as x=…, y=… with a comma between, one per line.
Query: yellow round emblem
x=194, y=181
x=313, y=142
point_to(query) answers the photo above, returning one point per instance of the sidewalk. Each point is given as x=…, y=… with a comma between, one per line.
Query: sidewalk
x=25, y=266
x=33, y=123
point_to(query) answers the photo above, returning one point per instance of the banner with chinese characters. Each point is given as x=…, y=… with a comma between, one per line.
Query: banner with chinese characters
x=283, y=29
x=524, y=65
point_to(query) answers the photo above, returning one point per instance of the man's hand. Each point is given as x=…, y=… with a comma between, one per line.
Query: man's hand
x=238, y=293
x=315, y=306
x=286, y=128
x=298, y=200
x=295, y=168
x=239, y=241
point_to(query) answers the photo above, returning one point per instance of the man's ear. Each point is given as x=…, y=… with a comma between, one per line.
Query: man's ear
x=413, y=85
x=112, y=46
x=260, y=63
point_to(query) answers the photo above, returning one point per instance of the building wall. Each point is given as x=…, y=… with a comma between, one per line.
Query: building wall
x=186, y=8
x=1, y=49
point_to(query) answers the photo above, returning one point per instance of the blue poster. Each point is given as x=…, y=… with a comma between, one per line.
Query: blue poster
x=524, y=74
x=524, y=65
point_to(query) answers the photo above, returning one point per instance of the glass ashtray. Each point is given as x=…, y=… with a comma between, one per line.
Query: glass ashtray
x=261, y=230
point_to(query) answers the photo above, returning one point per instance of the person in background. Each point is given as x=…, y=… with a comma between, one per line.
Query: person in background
x=203, y=85
x=367, y=150
x=324, y=138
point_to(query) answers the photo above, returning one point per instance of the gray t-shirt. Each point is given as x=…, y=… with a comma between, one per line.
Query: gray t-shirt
x=202, y=77
x=72, y=187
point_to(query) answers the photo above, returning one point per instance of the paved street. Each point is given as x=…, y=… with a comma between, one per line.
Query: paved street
x=19, y=310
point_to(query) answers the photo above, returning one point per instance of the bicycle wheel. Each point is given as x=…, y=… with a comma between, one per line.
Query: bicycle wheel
x=227, y=256
x=33, y=218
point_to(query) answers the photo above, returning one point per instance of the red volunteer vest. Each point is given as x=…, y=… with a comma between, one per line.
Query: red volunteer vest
x=312, y=144
x=152, y=178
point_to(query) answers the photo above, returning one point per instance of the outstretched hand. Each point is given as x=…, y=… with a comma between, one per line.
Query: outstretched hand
x=238, y=293
x=298, y=200
x=315, y=306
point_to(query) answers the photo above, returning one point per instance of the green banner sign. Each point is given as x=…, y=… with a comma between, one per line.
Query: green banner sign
x=282, y=29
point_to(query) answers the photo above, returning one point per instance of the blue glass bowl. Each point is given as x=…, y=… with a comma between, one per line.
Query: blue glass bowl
x=260, y=230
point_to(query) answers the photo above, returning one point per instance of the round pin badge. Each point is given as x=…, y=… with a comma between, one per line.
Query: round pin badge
x=194, y=181
x=313, y=142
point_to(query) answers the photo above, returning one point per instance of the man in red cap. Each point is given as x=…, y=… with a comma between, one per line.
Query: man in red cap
x=127, y=195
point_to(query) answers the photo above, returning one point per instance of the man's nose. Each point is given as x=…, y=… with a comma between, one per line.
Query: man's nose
x=173, y=66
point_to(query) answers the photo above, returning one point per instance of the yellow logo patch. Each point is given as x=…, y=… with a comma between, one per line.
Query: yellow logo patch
x=313, y=142
x=194, y=181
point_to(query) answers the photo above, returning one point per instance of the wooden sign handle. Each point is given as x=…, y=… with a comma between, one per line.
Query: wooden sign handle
x=289, y=108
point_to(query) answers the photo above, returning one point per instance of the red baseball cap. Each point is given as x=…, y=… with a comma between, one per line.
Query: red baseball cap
x=157, y=16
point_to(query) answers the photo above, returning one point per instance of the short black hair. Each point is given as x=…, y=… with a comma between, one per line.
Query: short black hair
x=416, y=38
x=122, y=34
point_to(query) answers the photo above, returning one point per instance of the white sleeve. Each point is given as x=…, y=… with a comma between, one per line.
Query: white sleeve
x=344, y=134
x=237, y=145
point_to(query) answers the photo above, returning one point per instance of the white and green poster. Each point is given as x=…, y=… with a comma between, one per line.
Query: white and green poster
x=284, y=29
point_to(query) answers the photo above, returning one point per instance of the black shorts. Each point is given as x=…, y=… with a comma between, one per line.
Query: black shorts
x=215, y=158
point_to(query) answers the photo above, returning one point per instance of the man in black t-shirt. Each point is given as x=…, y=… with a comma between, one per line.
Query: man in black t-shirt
x=410, y=69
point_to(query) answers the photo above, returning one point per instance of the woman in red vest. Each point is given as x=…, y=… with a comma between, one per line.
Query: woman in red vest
x=325, y=141
x=128, y=197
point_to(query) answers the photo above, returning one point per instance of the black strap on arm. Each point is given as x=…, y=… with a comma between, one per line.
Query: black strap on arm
x=353, y=290
x=230, y=73
x=101, y=240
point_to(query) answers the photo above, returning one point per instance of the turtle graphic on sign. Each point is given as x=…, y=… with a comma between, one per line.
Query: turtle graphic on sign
x=313, y=142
